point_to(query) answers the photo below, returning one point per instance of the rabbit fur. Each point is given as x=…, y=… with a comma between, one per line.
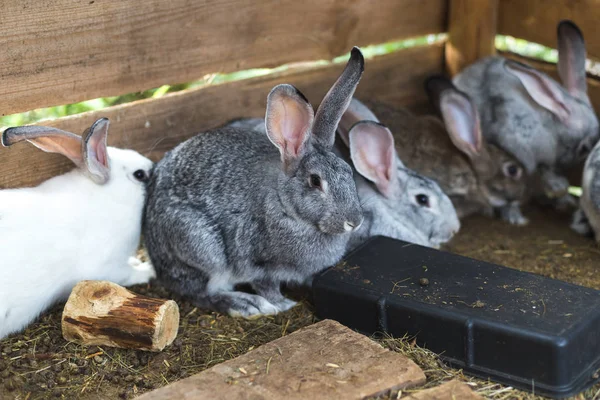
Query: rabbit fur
x=235, y=206
x=82, y=225
x=474, y=174
x=546, y=126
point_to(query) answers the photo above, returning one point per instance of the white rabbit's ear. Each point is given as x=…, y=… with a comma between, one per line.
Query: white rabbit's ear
x=541, y=88
x=571, y=59
x=355, y=112
x=373, y=154
x=95, y=155
x=48, y=139
x=289, y=120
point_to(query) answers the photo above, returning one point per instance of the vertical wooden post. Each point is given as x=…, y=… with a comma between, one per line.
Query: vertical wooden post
x=471, y=32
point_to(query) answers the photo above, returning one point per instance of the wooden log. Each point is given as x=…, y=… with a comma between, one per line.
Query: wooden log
x=104, y=313
x=471, y=32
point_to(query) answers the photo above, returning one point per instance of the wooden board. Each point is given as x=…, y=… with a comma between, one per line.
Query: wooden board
x=154, y=126
x=323, y=361
x=452, y=390
x=471, y=32
x=536, y=20
x=56, y=52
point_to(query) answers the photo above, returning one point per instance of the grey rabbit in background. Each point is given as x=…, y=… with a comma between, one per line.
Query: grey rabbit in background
x=398, y=202
x=233, y=206
x=477, y=176
x=586, y=219
x=546, y=126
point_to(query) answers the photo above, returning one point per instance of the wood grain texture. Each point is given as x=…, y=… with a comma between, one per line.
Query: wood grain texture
x=154, y=126
x=323, y=361
x=536, y=20
x=63, y=51
x=471, y=32
x=104, y=313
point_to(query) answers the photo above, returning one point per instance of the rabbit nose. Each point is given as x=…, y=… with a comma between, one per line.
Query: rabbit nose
x=352, y=226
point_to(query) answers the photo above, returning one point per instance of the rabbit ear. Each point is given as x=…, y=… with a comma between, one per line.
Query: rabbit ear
x=462, y=122
x=95, y=155
x=48, y=139
x=373, y=154
x=541, y=88
x=337, y=99
x=289, y=120
x=571, y=59
x=355, y=112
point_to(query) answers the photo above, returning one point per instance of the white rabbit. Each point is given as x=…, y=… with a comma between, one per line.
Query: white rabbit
x=82, y=225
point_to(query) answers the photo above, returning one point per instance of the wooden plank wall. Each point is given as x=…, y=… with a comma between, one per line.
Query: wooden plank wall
x=536, y=20
x=55, y=52
x=154, y=126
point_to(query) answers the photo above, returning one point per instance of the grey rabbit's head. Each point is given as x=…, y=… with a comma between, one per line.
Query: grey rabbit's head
x=318, y=186
x=501, y=177
x=407, y=205
x=574, y=118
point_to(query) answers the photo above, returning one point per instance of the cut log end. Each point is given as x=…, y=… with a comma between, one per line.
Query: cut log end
x=104, y=313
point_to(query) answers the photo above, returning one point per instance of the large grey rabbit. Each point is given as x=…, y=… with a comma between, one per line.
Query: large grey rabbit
x=234, y=206
x=546, y=126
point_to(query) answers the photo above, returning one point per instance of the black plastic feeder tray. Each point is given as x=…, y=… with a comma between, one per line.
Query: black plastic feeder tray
x=494, y=322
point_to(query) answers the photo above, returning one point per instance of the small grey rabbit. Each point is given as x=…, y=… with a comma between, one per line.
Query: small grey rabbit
x=586, y=220
x=234, y=206
x=397, y=202
x=546, y=126
x=478, y=176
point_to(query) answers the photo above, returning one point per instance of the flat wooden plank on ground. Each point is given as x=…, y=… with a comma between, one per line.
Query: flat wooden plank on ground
x=154, y=126
x=536, y=20
x=63, y=51
x=452, y=390
x=322, y=361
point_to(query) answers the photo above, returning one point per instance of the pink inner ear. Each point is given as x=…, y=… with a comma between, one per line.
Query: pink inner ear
x=288, y=121
x=460, y=118
x=373, y=154
x=102, y=155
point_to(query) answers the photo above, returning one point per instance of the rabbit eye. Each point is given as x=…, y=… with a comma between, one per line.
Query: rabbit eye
x=140, y=175
x=583, y=150
x=422, y=200
x=513, y=171
x=315, y=181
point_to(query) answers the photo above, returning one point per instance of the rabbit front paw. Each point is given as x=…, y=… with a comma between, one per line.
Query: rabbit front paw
x=580, y=223
x=240, y=304
x=140, y=273
x=511, y=213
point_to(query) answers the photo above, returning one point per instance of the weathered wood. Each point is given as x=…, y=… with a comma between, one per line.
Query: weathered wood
x=154, y=126
x=104, y=313
x=322, y=361
x=471, y=32
x=64, y=51
x=452, y=390
x=536, y=20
